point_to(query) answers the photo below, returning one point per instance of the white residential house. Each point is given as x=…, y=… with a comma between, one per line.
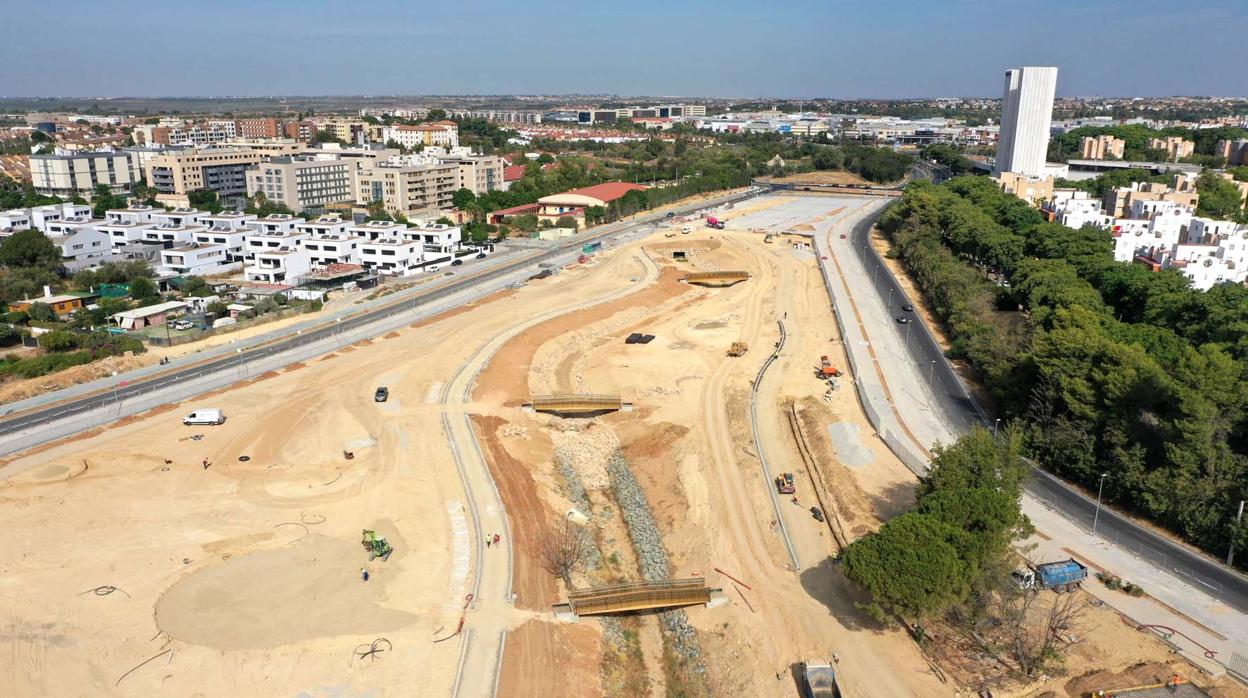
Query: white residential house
x=174, y=228
x=122, y=233
x=332, y=248
x=392, y=256
x=41, y=216
x=229, y=220
x=285, y=265
x=232, y=240
x=80, y=244
x=15, y=220
x=322, y=225
x=377, y=230
x=277, y=223
x=198, y=259
x=437, y=238
x=258, y=241
x=137, y=213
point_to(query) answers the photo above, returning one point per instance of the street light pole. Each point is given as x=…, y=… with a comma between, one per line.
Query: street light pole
x=1096, y=517
x=931, y=374
x=996, y=426
x=890, y=299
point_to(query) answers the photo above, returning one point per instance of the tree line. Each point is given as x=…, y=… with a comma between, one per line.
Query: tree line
x=1106, y=367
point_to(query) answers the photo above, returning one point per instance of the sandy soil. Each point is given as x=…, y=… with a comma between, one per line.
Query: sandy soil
x=243, y=578
x=822, y=177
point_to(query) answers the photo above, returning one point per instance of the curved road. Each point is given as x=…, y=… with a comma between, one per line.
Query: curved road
x=960, y=412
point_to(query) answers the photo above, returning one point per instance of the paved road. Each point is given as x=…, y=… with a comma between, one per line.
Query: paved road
x=950, y=403
x=114, y=392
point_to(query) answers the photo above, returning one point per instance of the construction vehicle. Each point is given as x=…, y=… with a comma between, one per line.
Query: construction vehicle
x=738, y=349
x=377, y=546
x=819, y=679
x=826, y=369
x=768, y=238
x=1062, y=576
x=713, y=222
x=784, y=483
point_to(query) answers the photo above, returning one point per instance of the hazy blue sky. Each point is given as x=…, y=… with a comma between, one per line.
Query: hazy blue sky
x=792, y=48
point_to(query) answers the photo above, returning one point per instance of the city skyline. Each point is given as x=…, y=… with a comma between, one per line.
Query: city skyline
x=796, y=51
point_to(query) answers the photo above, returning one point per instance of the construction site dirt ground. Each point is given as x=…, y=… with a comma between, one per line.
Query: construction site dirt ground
x=244, y=577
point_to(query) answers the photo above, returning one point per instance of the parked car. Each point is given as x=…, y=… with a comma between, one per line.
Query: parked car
x=907, y=307
x=903, y=320
x=670, y=214
x=817, y=513
x=480, y=255
x=182, y=325
x=457, y=262
x=204, y=416
x=382, y=394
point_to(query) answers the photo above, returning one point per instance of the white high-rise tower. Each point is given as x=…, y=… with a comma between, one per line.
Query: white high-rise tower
x=1026, y=114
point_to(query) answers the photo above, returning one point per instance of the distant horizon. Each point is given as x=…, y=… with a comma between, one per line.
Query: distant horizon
x=602, y=97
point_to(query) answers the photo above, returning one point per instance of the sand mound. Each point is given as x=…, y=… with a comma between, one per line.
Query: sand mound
x=307, y=590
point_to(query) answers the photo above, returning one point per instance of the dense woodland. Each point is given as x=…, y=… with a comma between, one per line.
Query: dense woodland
x=1105, y=367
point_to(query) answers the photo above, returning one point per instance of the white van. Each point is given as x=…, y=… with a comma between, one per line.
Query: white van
x=209, y=416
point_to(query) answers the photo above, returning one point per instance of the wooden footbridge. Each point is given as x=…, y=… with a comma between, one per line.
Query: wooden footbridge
x=639, y=596
x=571, y=403
x=716, y=278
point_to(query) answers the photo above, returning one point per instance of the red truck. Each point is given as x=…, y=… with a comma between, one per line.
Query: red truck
x=713, y=222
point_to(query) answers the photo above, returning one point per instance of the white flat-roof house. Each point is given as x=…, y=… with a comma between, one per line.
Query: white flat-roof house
x=198, y=259
x=15, y=220
x=332, y=248
x=122, y=232
x=280, y=266
x=80, y=243
x=437, y=237
x=263, y=240
x=323, y=225
x=392, y=257
x=229, y=220
x=277, y=223
x=178, y=216
x=378, y=230
x=171, y=234
x=136, y=213
x=234, y=240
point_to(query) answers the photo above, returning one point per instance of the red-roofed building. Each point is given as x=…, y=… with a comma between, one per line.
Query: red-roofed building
x=569, y=203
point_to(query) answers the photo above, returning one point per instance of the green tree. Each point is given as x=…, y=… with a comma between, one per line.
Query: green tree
x=462, y=198
x=437, y=115
x=58, y=341
x=143, y=289
x=1219, y=198
x=195, y=286
x=910, y=568
x=566, y=222
x=41, y=312
x=29, y=249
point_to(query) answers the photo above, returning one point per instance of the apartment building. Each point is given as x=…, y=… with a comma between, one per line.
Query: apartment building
x=409, y=190
x=303, y=183
x=1103, y=147
x=257, y=128
x=303, y=131
x=1027, y=188
x=1118, y=201
x=1234, y=152
x=441, y=133
x=345, y=130
x=78, y=174
x=227, y=126
x=477, y=173
x=663, y=111
x=503, y=116
x=1175, y=147
x=174, y=175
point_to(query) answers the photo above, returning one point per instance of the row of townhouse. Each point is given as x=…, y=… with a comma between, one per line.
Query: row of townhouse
x=1161, y=233
x=284, y=250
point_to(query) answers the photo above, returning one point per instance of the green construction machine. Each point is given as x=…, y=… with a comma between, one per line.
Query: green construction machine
x=377, y=546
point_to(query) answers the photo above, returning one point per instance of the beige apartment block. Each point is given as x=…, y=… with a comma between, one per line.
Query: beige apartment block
x=345, y=130
x=1103, y=147
x=478, y=173
x=1030, y=189
x=178, y=173
x=303, y=183
x=1118, y=201
x=1176, y=147
x=409, y=190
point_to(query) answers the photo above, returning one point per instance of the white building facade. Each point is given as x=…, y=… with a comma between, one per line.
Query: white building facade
x=1026, y=115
